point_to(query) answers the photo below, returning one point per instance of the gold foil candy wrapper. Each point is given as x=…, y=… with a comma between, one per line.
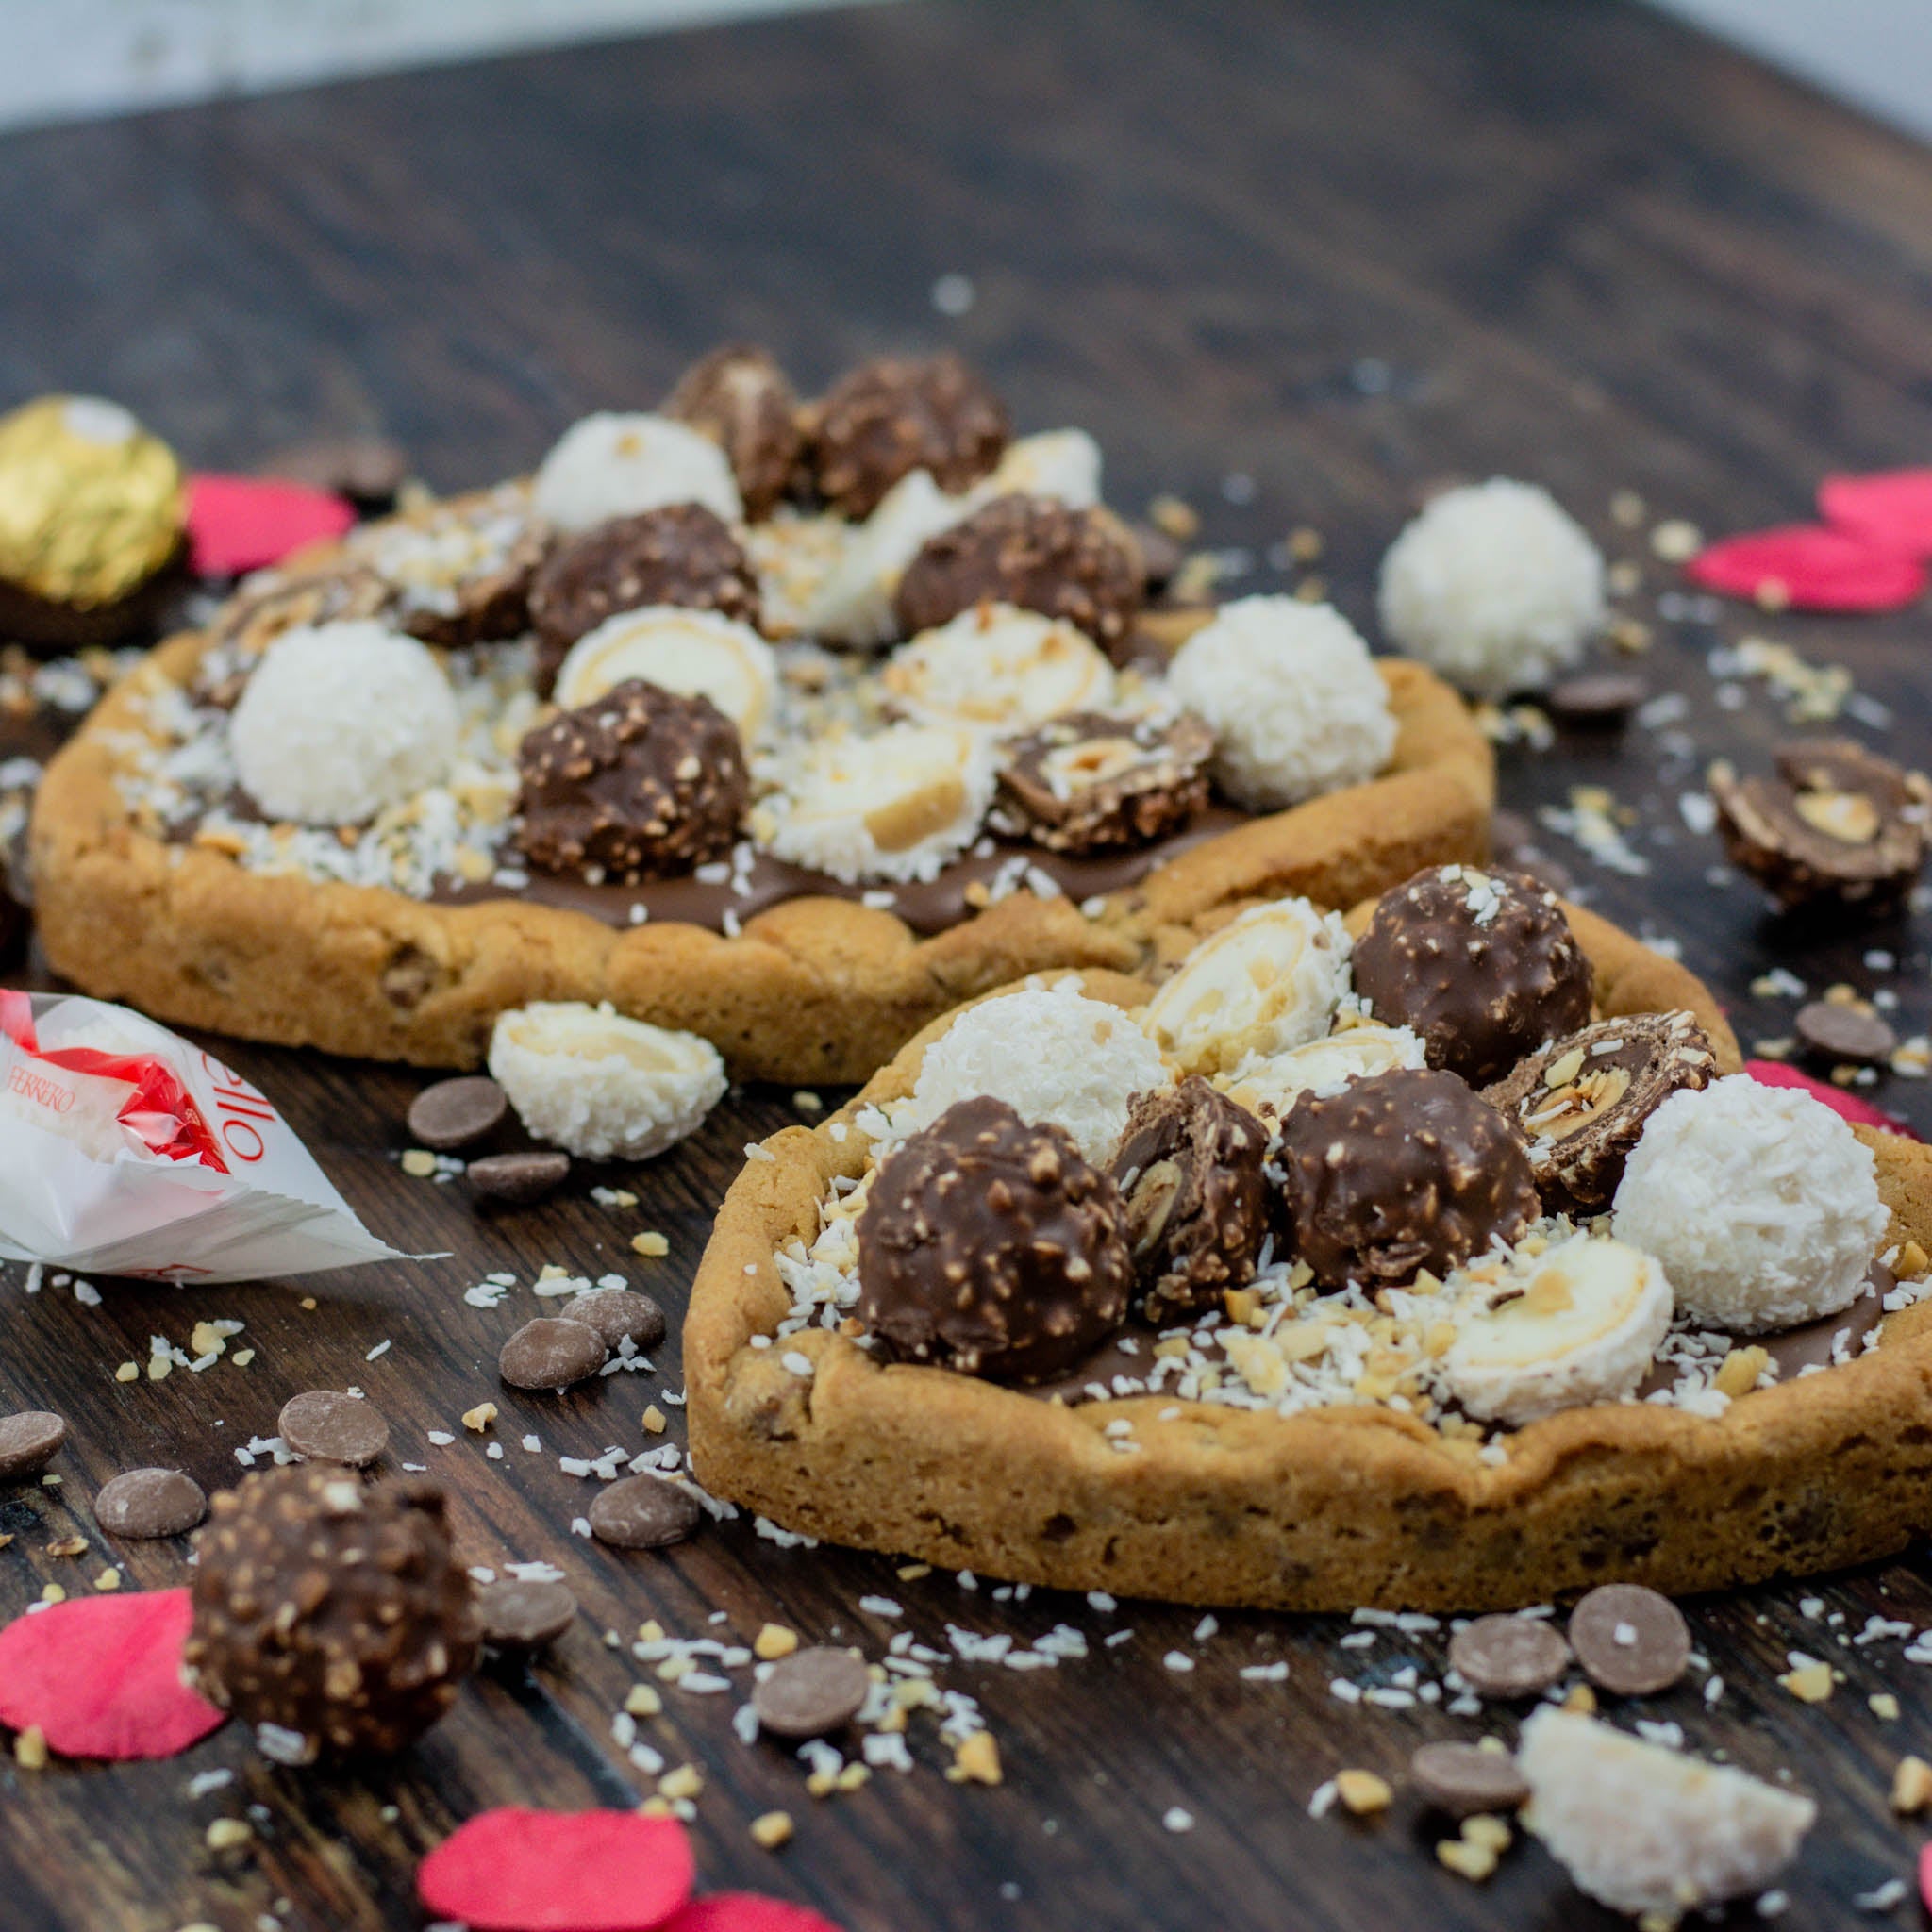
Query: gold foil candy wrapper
x=90, y=504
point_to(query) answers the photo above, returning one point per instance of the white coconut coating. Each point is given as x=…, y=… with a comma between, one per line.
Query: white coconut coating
x=1000, y=667
x=1761, y=1204
x=854, y=603
x=1063, y=464
x=1052, y=1054
x=600, y=1085
x=1579, y=1323
x=1495, y=585
x=1295, y=703
x=610, y=465
x=1273, y=1083
x=340, y=721
x=693, y=653
x=1641, y=1829
x=1267, y=981
x=894, y=805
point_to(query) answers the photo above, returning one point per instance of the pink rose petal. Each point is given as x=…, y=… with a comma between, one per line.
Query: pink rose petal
x=237, y=524
x=512, y=1870
x=1840, y=1100
x=1892, y=508
x=1812, y=567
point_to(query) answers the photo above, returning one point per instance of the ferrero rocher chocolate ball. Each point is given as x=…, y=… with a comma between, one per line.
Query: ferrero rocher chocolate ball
x=991, y=1246
x=642, y=783
x=1480, y=962
x=1190, y=1170
x=680, y=554
x=330, y=1613
x=888, y=417
x=1079, y=565
x=740, y=397
x=1397, y=1173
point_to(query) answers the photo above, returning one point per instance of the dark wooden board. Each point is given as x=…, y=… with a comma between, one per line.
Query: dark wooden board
x=1345, y=248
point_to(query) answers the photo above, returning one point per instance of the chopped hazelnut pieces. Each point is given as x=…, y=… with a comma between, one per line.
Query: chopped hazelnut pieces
x=771, y=1829
x=977, y=1761
x=654, y=1421
x=480, y=1418
x=642, y=1701
x=687, y=1781
x=773, y=1641
x=1810, y=1682
x=1911, y=1787
x=650, y=1244
x=1362, y=1792
x=224, y=1834
x=1738, y=1374
x=30, y=1749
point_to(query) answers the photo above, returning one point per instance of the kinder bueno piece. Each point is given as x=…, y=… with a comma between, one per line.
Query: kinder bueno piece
x=124, y=1150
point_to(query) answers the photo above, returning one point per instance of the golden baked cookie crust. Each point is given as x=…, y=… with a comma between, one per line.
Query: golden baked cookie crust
x=1323, y=1511
x=812, y=989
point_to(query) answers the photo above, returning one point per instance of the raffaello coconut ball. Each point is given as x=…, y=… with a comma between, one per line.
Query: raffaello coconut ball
x=1761, y=1204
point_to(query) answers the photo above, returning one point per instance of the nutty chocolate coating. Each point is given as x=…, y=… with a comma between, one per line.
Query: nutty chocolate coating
x=680, y=554
x=1092, y=783
x=889, y=417
x=276, y=601
x=1582, y=1101
x=740, y=397
x=1837, y=826
x=1079, y=565
x=1480, y=962
x=642, y=782
x=992, y=1248
x=330, y=1610
x=1401, y=1171
x=1190, y=1170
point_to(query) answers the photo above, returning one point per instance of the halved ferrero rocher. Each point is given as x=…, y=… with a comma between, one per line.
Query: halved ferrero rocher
x=273, y=601
x=999, y=667
x=693, y=653
x=1836, y=825
x=1093, y=782
x=1582, y=1101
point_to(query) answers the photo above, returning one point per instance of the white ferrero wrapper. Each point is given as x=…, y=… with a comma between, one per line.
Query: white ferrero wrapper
x=125, y=1150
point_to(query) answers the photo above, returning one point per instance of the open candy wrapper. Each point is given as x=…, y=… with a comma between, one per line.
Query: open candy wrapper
x=123, y=1150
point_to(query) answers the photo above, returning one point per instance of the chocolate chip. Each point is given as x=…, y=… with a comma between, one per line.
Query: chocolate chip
x=519, y=1179
x=1597, y=697
x=326, y=1425
x=1465, y=1780
x=1509, y=1657
x=811, y=1692
x=644, y=1512
x=616, y=1312
x=551, y=1353
x=458, y=1113
x=1629, y=1639
x=150, y=1503
x=524, y=1614
x=28, y=1442
x=1838, y=1032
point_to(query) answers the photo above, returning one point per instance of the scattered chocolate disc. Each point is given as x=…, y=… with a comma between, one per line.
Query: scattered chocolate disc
x=368, y=470
x=889, y=417
x=458, y=1113
x=1583, y=1100
x=1465, y=1780
x=1509, y=1657
x=524, y=1614
x=1596, y=697
x=618, y=1312
x=741, y=398
x=1190, y=1170
x=1838, y=1032
x=1089, y=783
x=28, y=1442
x=1398, y=1173
x=989, y=1245
x=1509, y=833
x=1160, y=557
x=811, y=1692
x=552, y=1352
x=1482, y=963
x=326, y=1425
x=150, y=1503
x=1078, y=565
x=641, y=783
x=1838, y=825
x=644, y=1512
x=1629, y=1639
x=519, y=1179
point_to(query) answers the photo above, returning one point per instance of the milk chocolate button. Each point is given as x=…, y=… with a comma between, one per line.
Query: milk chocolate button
x=150, y=1503
x=28, y=1442
x=458, y=1113
x=525, y=1614
x=1838, y=1032
x=617, y=1312
x=1597, y=697
x=811, y=1692
x=326, y=1425
x=1509, y=1657
x=1464, y=1779
x=519, y=1179
x=551, y=1353
x=1629, y=1639
x=644, y=1512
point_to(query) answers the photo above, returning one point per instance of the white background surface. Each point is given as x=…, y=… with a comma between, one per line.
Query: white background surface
x=63, y=59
